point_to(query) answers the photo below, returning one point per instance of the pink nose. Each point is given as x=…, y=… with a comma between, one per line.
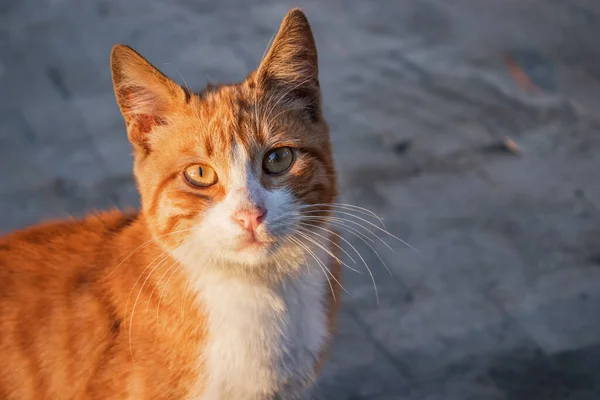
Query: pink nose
x=250, y=219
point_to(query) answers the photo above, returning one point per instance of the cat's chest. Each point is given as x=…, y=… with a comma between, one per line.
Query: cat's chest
x=261, y=340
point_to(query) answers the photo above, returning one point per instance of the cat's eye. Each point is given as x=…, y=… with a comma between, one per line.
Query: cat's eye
x=200, y=175
x=279, y=160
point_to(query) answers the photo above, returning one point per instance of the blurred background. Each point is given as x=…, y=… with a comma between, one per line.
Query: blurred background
x=470, y=126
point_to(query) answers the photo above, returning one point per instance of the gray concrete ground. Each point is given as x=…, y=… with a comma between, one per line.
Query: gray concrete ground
x=503, y=300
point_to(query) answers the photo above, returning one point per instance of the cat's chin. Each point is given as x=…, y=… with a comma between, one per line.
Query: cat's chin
x=252, y=245
x=262, y=258
x=262, y=255
x=253, y=253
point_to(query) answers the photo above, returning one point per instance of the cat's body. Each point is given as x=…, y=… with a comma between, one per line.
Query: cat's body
x=214, y=290
x=66, y=318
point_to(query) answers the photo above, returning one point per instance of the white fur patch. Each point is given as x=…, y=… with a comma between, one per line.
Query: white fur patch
x=263, y=341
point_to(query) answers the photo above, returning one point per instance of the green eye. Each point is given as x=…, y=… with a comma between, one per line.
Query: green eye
x=279, y=160
x=200, y=175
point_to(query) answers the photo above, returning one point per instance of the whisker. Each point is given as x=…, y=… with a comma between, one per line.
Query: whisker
x=339, y=224
x=358, y=209
x=367, y=243
x=309, y=232
x=177, y=267
x=185, y=289
x=381, y=229
x=325, y=249
x=159, y=279
x=342, y=222
x=351, y=228
x=311, y=240
x=301, y=253
x=319, y=263
x=175, y=264
x=333, y=233
x=164, y=253
x=368, y=269
x=138, y=297
x=183, y=296
x=145, y=244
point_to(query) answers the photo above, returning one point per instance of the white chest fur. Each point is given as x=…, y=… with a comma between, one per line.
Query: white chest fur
x=263, y=341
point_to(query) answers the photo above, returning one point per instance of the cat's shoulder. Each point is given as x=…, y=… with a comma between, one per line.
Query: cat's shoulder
x=57, y=244
x=100, y=223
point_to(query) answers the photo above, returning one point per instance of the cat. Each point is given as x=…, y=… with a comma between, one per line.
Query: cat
x=213, y=290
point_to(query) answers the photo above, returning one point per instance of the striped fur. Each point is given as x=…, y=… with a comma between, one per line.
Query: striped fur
x=171, y=302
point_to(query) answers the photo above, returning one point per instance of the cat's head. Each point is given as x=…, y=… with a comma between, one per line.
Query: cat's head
x=224, y=175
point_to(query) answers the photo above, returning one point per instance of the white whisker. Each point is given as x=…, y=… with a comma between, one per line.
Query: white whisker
x=145, y=244
x=321, y=265
x=343, y=206
x=183, y=297
x=177, y=267
x=308, y=231
x=311, y=240
x=367, y=243
x=343, y=221
x=159, y=279
x=287, y=239
x=164, y=253
x=138, y=297
x=353, y=229
x=379, y=228
x=368, y=269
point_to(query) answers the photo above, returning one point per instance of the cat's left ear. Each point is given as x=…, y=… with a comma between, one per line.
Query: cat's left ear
x=290, y=67
x=145, y=96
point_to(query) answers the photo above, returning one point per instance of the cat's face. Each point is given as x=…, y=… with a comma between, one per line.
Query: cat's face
x=227, y=176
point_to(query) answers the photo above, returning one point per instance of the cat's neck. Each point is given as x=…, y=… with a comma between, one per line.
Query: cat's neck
x=253, y=327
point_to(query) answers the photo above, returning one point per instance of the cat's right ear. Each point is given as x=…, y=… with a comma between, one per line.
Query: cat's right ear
x=290, y=67
x=145, y=96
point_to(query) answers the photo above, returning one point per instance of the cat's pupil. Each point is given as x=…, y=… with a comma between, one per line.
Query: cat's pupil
x=278, y=160
x=278, y=155
x=200, y=172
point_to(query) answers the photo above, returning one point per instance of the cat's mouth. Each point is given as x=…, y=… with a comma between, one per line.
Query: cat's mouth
x=251, y=245
x=253, y=241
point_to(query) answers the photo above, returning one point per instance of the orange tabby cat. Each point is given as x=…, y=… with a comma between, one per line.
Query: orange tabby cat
x=213, y=290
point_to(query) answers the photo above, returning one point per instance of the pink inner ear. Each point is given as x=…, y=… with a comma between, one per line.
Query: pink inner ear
x=146, y=122
x=137, y=100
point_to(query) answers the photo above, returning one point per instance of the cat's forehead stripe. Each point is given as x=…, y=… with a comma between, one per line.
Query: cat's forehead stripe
x=232, y=114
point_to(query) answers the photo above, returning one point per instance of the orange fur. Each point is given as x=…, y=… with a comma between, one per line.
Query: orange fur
x=68, y=289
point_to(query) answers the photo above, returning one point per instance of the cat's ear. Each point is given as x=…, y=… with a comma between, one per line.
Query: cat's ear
x=291, y=66
x=145, y=96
